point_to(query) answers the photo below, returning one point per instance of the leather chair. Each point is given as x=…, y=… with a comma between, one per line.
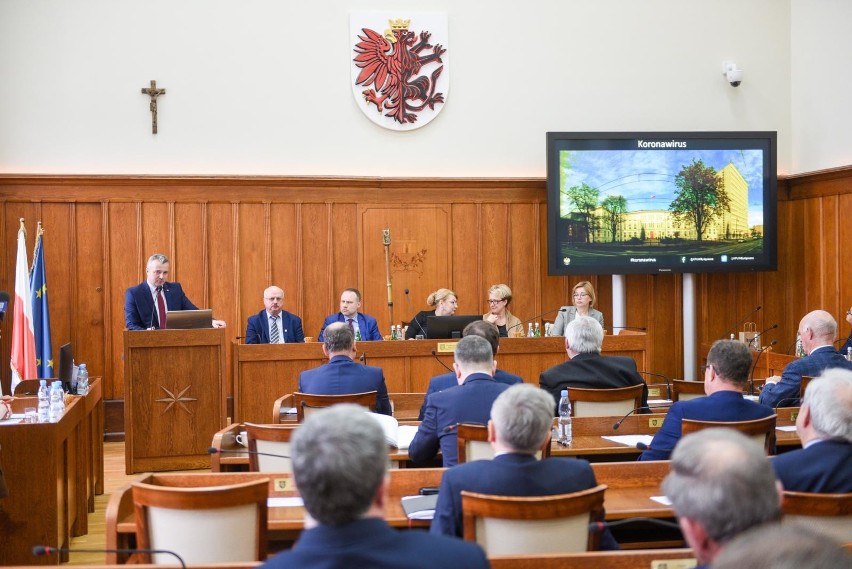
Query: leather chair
x=270, y=440
x=473, y=443
x=684, y=390
x=761, y=430
x=604, y=402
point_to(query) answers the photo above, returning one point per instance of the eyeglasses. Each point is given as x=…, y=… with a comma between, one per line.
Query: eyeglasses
x=495, y=301
x=580, y=294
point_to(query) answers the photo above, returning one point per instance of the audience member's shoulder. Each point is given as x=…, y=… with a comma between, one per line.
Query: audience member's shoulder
x=441, y=551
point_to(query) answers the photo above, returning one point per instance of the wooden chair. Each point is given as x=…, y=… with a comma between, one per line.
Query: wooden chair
x=280, y=408
x=213, y=524
x=269, y=439
x=806, y=379
x=473, y=443
x=406, y=406
x=830, y=514
x=28, y=387
x=306, y=402
x=684, y=390
x=509, y=525
x=604, y=402
x=761, y=430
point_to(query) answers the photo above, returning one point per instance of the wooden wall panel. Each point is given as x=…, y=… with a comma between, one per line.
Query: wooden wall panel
x=189, y=246
x=285, y=259
x=347, y=258
x=254, y=245
x=126, y=267
x=318, y=266
x=91, y=307
x=524, y=260
x=224, y=268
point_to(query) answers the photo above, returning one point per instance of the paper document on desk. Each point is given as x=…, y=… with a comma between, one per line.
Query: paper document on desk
x=284, y=502
x=630, y=440
x=420, y=507
x=786, y=428
x=399, y=436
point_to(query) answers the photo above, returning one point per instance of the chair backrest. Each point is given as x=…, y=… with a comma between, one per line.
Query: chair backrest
x=307, y=402
x=806, y=379
x=270, y=440
x=510, y=525
x=280, y=407
x=604, y=402
x=473, y=443
x=684, y=390
x=214, y=524
x=830, y=514
x=406, y=406
x=27, y=387
x=761, y=430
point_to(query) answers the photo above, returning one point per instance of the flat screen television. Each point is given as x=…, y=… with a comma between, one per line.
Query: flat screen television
x=661, y=202
x=438, y=327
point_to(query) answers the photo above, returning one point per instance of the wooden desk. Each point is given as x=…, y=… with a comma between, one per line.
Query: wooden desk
x=93, y=437
x=264, y=372
x=597, y=560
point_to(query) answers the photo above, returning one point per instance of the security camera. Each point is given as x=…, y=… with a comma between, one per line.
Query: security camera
x=732, y=73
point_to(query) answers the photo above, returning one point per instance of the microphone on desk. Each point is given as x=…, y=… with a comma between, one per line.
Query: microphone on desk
x=752, y=341
x=414, y=317
x=754, y=365
x=735, y=326
x=214, y=450
x=536, y=318
x=598, y=527
x=363, y=358
x=42, y=550
x=636, y=410
x=643, y=446
x=787, y=400
x=668, y=381
x=454, y=426
x=440, y=361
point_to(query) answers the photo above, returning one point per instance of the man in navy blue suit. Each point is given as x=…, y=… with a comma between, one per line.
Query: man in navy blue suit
x=469, y=402
x=142, y=309
x=824, y=463
x=847, y=346
x=817, y=330
x=340, y=459
x=365, y=327
x=274, y=321
x=521, y=419
x=725, y=377
x=341, y=375
x=483, y=329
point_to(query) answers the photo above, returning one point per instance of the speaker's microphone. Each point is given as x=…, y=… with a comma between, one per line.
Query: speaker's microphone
x=643, y=446
x=440, y=361
x=536, y=317
x=752, y=341
x=735, y=326
x=414, y=318
x=636, y=410
x=42, y=550
x=754, y=366
x=214, y=450
x=668, y=381
x=363, y=358
x=786, y=400
x=4, y=303
x=598, y=527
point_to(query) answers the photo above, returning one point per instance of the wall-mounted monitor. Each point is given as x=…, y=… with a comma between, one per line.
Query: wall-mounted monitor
x=661, y=202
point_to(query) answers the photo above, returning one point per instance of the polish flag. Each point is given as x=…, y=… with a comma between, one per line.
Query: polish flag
x=23, y=340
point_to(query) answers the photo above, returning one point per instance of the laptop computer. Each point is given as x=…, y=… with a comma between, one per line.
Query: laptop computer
x=189, y=319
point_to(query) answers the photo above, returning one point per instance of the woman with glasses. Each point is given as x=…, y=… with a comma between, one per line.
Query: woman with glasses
x=584, y=299
x=444, y=301
x=509, y=326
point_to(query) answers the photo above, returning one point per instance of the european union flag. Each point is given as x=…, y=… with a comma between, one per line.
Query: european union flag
x=41, y=315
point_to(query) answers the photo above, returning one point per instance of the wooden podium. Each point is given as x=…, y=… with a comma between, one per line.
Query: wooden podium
x=173, y=397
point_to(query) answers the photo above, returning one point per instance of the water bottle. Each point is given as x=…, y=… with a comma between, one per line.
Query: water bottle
x=800, y=349
x=393, y=332
x=358, y=335
x=399, y=334
x=529, y=330
x=82, y=380
x=57, y=402
x=537, y=330
x=43, y=401
x=565, y=434
x=849, y=354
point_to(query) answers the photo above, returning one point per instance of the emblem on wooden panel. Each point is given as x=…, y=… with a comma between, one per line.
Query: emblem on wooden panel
x=414, y=264
x=180, y=399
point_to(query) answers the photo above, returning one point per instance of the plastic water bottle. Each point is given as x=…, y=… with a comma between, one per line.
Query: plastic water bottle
x=57, y=402
x=358, y=335
x=82, y=380
x=537, y=330
x=849, y=354
x=530, y=330
x=565, y=434
x=399, y=334
x=393, y=332
x=43, y=402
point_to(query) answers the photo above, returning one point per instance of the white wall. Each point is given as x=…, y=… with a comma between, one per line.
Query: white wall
x=262, y=87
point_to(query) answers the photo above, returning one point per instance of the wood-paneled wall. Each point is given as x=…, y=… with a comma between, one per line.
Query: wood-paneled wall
x=229, y=238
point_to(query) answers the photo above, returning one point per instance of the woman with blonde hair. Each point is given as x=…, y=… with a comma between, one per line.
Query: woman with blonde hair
x=509, y=326
x=584, y=299
x=444, y=303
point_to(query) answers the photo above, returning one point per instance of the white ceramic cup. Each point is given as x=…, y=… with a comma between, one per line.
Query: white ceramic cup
x=242, y=438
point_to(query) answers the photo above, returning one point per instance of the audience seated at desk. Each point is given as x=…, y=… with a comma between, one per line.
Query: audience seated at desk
x=444, y=381
x=444, y=302
x=587, y=368
x=725, y=377
x=824, y=425
x=341, y=474
x=365, y=327
x=273, y=324
x=521, y=419
x=341, y=375
x=817, y=331
x=469, y=402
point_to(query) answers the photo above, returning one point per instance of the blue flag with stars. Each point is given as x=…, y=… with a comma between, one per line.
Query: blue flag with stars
x=41, y=315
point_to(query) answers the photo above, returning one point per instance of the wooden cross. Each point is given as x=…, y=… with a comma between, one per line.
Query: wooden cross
x=153, y=92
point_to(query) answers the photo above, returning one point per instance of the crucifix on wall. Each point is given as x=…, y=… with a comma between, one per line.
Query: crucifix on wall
x=153, y=92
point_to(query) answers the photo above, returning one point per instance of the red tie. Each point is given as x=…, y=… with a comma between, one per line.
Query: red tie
x=161, y=309
x=351, y=326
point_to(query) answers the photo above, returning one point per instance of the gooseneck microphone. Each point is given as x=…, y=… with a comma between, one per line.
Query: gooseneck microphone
x=42, y=550
x=214, y=450
x=636, y=410
x=363, y=358
x=754, y=366
x=600, y=526
x=756, y=336
x=536, y=317
x=4, y=303
x=668, y=381
x=440, y=361
x=735, y=326
x=414, y=317
x=643, y=446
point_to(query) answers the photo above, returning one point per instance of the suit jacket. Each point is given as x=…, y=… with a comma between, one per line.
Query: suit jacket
x=341, y=376
x=822, y=358
x=825, y=467
x=514, y=326
x=563, y=318
x=469, y=402
x=371, y=542
x=720, y=406
x=510, y=475
x=448, y=380
x=290, y=327
x=139, y=311
x=592, y=371
x=844, y=349
x=414, y=329
x=366, y=324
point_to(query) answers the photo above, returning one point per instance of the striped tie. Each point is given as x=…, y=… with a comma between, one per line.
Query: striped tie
x=273, y=331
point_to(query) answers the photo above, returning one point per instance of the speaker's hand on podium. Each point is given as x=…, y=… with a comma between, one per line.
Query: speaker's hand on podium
x=218, y=323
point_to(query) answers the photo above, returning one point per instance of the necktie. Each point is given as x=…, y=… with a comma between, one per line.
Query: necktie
x=273, y=331
x=351, y=327
x=161, y=308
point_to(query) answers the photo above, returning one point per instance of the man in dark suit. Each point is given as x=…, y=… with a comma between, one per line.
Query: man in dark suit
x=444, y=381
x=273, y=320
x=847, y=346
x=587, y=368
x=340, y=462
x=365, y=327
x=824, y=463
x=521, y=420
x=142, y=310
x=469, y=402
x=817, y=330
x=341, y=375
x=725, y=376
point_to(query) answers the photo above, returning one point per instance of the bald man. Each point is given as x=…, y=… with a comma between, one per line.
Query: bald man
x=273, y=324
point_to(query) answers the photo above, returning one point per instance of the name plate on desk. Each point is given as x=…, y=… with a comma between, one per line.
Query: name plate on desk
x=447, y=347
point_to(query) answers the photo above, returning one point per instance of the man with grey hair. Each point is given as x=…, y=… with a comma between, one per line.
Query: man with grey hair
x=340, y=466
x=720, y=485
x=341, y=375
x=469, y=402
x=783, y=546
x=587, y=368
x=521, y=419
x=824, y=463
x=817, y=331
